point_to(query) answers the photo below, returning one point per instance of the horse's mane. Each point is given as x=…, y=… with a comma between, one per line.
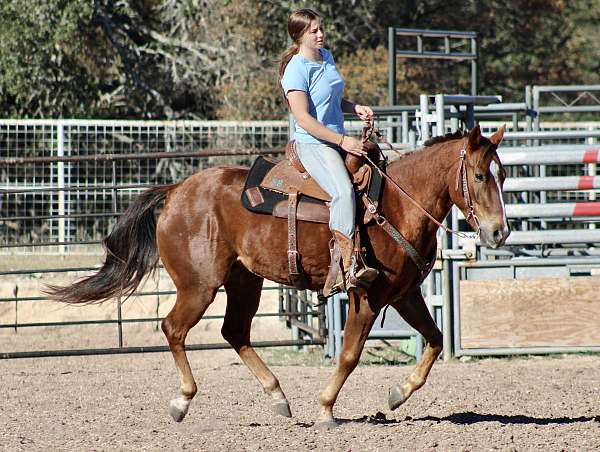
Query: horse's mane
x=449, y=136
x=435, y=140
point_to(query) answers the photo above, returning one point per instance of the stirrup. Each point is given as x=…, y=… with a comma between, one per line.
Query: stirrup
x=363, y=277
x=367, y=275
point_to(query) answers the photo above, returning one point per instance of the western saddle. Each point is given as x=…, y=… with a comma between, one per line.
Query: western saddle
x=284, y=189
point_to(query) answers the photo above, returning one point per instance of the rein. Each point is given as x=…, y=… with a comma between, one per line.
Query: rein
x=461, y=175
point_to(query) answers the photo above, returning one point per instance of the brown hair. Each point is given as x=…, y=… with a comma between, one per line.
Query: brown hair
x=298, y=22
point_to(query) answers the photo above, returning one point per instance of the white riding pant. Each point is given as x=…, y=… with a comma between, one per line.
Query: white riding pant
x=326, y=166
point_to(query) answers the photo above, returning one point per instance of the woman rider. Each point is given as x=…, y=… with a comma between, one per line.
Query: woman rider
x=314, y=91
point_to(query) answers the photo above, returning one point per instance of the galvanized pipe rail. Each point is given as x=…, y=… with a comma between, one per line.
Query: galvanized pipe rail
x=151, y=349
x=562, y=183
x=553, y=135
x=540, y=156
x=11, y=161
x=578, y=265
x=296, y=312
x=554, y=210
x=290, y=314
x=30, y=271
x=469, y=38
x=554, y=236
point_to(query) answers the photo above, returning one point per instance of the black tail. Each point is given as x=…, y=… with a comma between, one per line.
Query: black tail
x=131, y=253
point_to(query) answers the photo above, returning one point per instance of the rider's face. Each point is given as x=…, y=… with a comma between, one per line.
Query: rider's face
x=314, y=37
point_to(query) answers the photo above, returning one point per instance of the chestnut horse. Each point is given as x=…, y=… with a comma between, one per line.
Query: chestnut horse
x=206, y=239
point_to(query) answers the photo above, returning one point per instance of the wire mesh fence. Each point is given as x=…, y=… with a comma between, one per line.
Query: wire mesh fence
x=93, y=169
x=70, y=178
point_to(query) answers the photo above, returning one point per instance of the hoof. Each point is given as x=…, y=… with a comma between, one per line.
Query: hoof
x=178, y=408
x=326, y=425
x=282, y=408
x=396, y=398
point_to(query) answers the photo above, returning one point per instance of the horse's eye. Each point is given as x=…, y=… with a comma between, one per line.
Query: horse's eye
x=479, y=177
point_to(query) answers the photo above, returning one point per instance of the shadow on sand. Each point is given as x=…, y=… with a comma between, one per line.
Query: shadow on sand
x=473, y=418
x=466, y=418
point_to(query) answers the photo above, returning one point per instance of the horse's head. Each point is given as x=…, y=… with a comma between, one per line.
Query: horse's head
x=478, y=187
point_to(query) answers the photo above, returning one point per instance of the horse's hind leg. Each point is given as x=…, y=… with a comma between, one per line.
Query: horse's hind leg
x=414, y=310
x=189, y=307
x=243, y=296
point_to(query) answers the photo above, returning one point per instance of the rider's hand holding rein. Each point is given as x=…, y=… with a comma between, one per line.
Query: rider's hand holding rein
x=349, y=144
x=298, y=103
x=363, y=112
x=353, y=146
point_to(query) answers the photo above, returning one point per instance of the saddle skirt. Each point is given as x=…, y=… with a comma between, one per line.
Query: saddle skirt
x=270, y=182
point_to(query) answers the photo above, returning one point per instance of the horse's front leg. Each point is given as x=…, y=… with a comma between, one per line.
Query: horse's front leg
x=360, y=320
x=414, y=310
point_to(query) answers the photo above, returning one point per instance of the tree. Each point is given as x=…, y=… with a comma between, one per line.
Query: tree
x=217, y=58
x=42, y=59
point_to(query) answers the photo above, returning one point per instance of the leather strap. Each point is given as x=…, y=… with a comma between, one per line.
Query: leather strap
x=423, y=266
x=462, y=176
x=292, y=155
x=295, y=269
x=292, y=239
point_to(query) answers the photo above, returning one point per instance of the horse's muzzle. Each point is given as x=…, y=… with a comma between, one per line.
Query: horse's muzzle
x=494, y=236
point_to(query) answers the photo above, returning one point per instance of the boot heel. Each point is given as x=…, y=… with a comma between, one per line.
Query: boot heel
x=367, y=274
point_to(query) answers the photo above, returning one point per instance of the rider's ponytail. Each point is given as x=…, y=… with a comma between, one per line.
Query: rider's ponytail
x=298, y=23
x=286, y=57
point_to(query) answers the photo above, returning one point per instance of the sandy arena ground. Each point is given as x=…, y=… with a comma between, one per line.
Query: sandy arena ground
x=120, y=403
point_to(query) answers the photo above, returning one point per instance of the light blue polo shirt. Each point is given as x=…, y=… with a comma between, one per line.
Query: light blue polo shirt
x=324, y=88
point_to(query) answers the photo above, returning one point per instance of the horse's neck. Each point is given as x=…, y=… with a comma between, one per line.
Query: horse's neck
x=424, y=175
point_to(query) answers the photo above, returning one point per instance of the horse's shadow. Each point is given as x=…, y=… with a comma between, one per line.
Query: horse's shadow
x=469, y=418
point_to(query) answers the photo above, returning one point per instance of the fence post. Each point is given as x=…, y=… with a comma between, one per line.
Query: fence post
x=294, y=317
x=474, y=67
x=280, y=298
x=591, y=170
x=16, y=294
x=330, y=326
x=119, y=322
x=60, y=176
x=528, y=106
x=447, y=302
x=391, y=66
x=424, y=117
x=114, y=211
x=440, y=118
x=405, y=127
x=337, y=325
x=453, y=119
x=536, y=127
x=157, y=276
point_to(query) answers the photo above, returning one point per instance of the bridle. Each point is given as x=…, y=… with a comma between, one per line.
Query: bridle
x=461, y=174
x=461, y=177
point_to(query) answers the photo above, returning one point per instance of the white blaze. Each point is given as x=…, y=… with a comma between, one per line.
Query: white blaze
x=495, y=170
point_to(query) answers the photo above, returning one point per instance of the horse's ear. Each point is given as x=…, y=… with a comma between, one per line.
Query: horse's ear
x=497, y=137
x=474, y=138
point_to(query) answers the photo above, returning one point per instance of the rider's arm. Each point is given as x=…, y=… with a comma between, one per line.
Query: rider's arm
x=299, y=106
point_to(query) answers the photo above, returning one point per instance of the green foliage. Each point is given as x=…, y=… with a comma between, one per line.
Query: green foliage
x=217, y=58
x=41, y=50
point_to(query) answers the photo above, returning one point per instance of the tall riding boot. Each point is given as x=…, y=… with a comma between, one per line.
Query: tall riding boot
x=353, y=276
